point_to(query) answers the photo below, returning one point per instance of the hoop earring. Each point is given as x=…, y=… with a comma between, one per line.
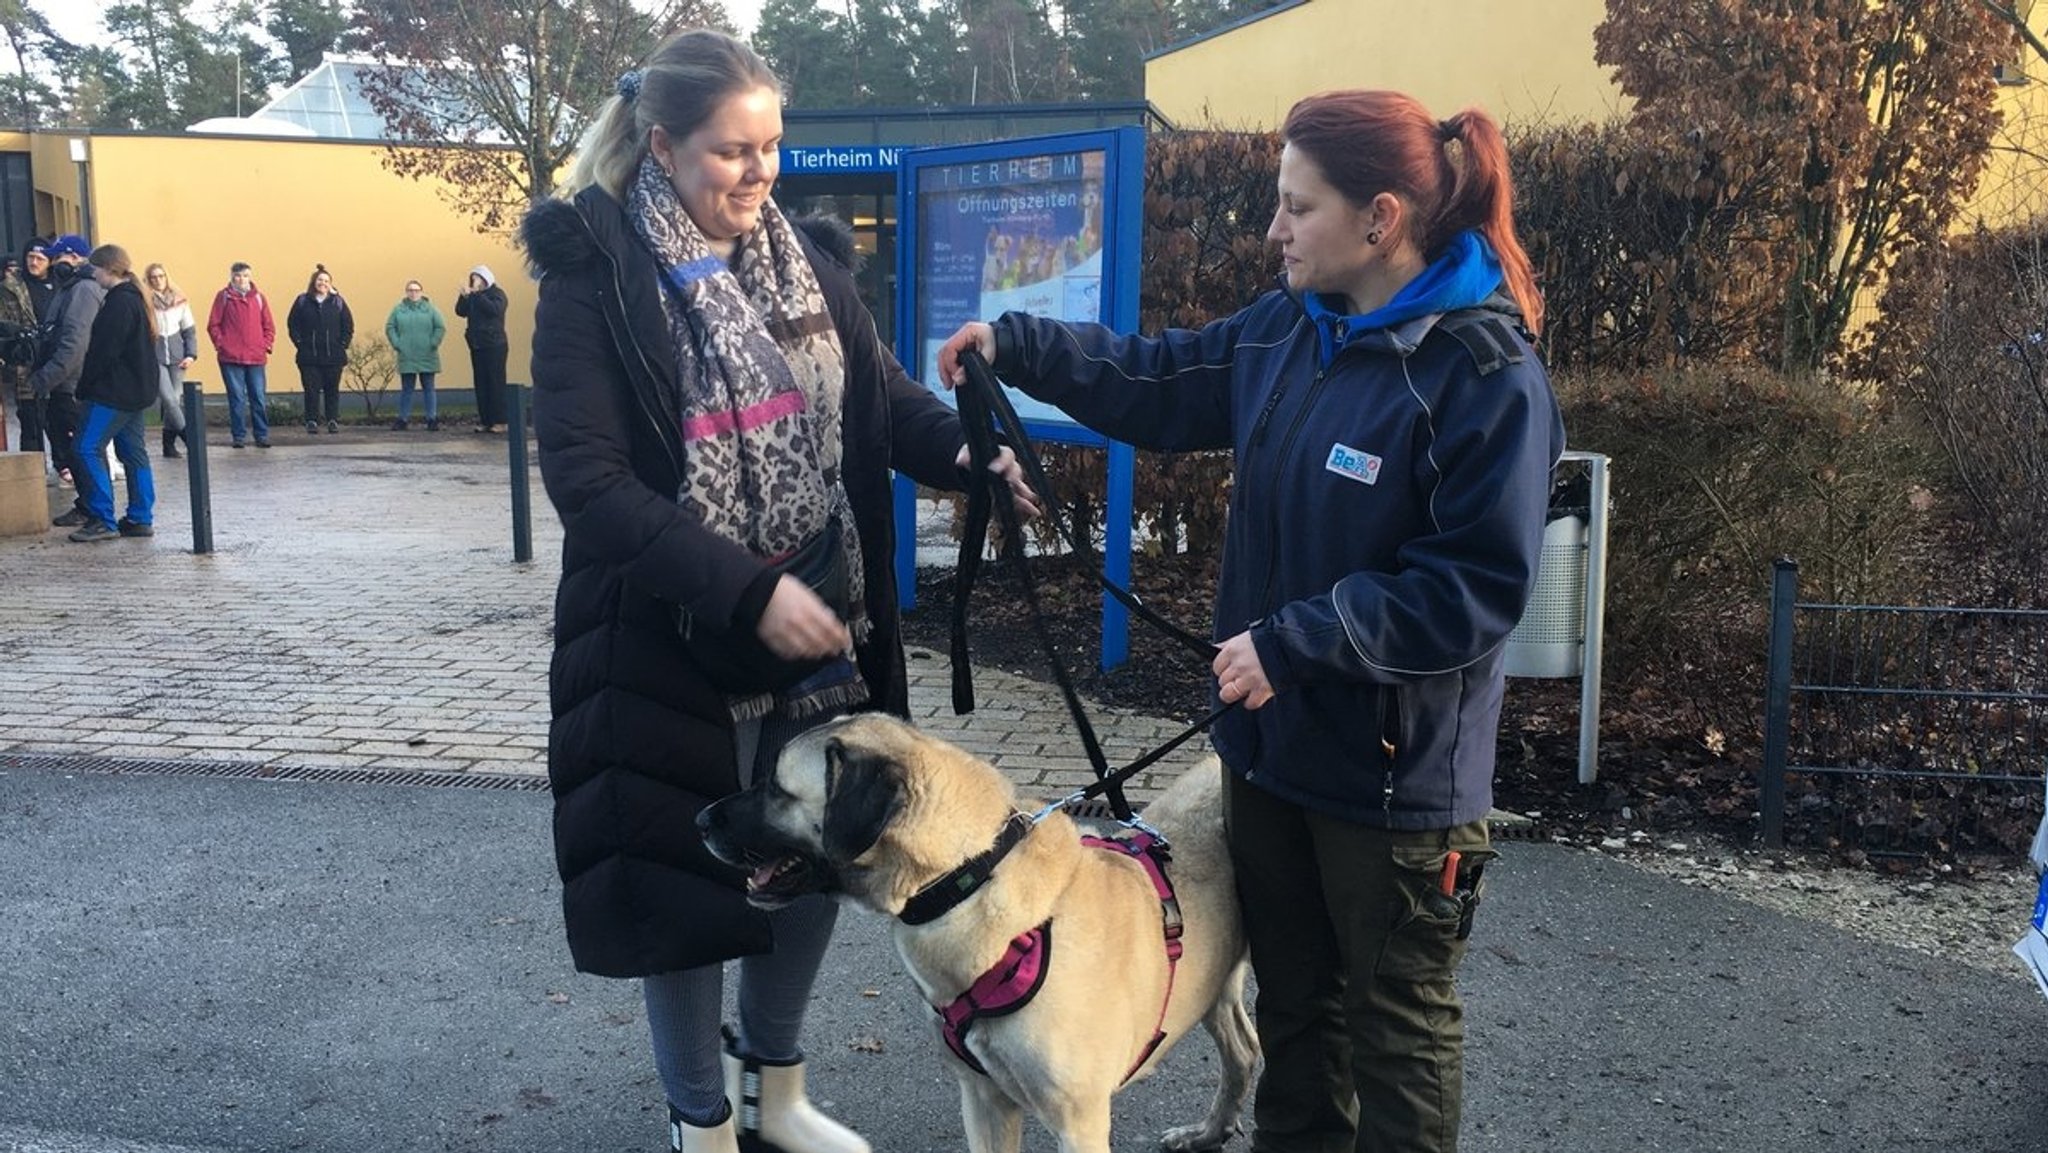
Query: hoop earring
x=1373, y=237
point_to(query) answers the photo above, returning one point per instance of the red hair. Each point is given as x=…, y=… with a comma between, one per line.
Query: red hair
x=1368, y=142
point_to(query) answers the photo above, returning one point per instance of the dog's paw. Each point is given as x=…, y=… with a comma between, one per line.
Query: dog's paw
x=1198, y=1138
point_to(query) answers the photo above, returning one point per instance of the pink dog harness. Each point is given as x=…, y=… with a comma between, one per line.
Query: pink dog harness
x=1018, y=975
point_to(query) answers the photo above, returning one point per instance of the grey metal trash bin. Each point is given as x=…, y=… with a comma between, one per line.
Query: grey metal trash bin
x=1560, y=631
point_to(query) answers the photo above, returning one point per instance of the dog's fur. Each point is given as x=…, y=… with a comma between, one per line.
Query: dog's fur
x=871, y=808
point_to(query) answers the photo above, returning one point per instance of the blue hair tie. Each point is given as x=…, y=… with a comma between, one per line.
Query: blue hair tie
x=629, y=85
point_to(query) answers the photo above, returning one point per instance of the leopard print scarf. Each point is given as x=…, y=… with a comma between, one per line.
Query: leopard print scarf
x=761, y=380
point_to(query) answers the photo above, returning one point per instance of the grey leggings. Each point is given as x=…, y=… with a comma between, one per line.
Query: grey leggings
x=170, y=387
x=684, y=1007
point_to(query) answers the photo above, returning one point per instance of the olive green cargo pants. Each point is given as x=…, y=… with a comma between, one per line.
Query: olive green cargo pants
x=1355, y=947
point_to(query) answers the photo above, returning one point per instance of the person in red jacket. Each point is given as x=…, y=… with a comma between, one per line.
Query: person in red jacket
x=243, y=333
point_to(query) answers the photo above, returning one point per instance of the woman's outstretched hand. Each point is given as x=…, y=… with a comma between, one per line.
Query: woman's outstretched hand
x=1006, y=466
x=975, y=335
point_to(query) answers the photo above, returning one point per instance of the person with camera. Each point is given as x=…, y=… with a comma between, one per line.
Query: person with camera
x=482, y=304
x=17, y=355
x=66, y=333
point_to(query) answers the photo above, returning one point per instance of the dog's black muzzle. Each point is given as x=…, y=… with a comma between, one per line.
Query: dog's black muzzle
x=778, y=872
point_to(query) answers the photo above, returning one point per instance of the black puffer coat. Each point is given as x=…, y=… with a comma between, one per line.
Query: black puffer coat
x=639, y=741
x=321, y=330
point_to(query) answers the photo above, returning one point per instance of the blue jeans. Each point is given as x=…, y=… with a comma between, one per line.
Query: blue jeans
x=245, y=394
x=96, y=480
x=426, y=380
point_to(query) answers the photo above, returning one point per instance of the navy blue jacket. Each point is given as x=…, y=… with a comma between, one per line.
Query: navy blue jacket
x=1386, y=518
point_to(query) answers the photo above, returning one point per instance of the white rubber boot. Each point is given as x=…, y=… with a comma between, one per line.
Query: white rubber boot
x=684, y=1137
x=773, y=1114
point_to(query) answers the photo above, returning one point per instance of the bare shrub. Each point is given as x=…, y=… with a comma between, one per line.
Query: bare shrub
x=1979, y=382
x=1720, y=469
x=372, y=367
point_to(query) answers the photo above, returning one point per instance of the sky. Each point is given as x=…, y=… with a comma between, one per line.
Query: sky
x=79, y=20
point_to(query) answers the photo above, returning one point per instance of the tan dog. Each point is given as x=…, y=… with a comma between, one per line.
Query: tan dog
x=876, y=810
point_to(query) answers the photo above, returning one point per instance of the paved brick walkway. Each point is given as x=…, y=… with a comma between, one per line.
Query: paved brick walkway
x=362, y=610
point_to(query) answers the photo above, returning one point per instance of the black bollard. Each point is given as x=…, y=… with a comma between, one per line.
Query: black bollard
x=522, y=500
x=195, y=469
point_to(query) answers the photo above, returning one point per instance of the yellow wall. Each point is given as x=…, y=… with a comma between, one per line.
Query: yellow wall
x=199, y=203
x=2014, y=189
x=1522, y=60
x=55, y=177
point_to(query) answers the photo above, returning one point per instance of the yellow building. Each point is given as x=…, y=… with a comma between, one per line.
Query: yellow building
x=1522, y=60
x=198, y=203
x=1525, y=61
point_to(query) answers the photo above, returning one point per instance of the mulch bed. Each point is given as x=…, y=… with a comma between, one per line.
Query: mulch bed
x=1658, y=769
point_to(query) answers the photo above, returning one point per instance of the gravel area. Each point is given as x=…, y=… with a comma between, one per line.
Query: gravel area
x=1973, y=920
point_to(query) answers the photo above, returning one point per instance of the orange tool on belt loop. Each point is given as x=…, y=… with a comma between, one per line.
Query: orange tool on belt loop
x=1450, y=881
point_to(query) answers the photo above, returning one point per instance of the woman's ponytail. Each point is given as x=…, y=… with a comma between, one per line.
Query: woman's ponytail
x=609, y=151
x=1482, y=197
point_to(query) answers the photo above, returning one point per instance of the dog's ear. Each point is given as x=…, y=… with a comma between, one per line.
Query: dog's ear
x=861, y=794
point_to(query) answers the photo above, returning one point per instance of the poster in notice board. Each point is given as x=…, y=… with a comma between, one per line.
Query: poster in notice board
x=1028, y=225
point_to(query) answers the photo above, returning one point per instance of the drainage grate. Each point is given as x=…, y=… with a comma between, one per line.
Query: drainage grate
x=133, y=766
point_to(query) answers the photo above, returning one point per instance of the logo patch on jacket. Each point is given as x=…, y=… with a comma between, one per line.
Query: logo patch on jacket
x=1344, y=460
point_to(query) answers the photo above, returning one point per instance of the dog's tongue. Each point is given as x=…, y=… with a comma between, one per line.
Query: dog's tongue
x=763, y=875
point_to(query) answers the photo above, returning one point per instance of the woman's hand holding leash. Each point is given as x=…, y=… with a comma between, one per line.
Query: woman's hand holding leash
x=1239, y=674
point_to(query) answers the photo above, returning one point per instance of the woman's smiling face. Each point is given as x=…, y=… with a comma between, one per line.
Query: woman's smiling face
x=723, y=170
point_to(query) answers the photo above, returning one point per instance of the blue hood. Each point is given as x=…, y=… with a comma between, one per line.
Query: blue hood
x=1463, y=277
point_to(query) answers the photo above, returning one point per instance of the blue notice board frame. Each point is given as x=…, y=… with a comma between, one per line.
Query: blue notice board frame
x=1052, y=225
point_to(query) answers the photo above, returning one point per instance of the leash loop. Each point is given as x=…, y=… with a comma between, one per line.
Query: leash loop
x=989, y=420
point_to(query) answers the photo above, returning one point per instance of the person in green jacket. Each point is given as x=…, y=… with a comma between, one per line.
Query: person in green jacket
x=18, y=325
x=415, y=328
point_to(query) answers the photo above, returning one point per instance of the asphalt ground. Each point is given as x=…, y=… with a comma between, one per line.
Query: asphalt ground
x=275, y=875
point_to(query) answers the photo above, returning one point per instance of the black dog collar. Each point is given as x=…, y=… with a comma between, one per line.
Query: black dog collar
x=938, y=898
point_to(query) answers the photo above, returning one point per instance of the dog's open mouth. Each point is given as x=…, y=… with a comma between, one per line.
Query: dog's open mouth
x=781, y=880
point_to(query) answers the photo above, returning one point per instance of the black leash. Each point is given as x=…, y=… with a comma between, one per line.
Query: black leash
x=990, y=420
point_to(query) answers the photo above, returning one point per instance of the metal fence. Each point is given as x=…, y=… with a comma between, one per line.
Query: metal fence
x=1903, y=731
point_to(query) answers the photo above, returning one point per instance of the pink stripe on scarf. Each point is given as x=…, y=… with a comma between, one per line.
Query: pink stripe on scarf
x=754, y=416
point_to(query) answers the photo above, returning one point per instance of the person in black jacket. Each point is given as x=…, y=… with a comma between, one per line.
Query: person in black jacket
x=117, y=387
x=483, y=304
x=682, y=470
x=321, y=328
